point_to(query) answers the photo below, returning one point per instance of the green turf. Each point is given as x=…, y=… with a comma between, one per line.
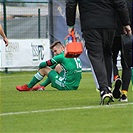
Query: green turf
x=60, y=111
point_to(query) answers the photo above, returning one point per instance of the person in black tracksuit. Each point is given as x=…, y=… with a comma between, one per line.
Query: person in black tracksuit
x=98, y=23
x=126, y=71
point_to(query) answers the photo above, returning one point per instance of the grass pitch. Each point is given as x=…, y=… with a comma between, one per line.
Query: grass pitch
x=53, y=111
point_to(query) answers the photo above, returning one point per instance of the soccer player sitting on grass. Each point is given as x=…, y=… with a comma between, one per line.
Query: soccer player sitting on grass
x=63, y=73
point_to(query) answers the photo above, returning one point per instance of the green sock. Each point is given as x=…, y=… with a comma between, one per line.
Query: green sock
x=37, y=77
x=46, y=82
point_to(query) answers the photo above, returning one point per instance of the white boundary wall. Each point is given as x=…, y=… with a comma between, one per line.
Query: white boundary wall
x=24, y=53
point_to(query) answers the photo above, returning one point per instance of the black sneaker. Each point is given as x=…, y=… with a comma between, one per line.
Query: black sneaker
x=116, y=91
x=123, y=98
x=106, y=96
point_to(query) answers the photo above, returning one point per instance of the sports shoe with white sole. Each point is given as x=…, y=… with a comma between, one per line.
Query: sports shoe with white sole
x=38, y=88
x=123, y=98
x=106, y=96
x=116, y=91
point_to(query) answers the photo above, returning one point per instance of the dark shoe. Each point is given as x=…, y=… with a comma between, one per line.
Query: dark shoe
x=106, y=96
x=123, y=98
x=116, y=91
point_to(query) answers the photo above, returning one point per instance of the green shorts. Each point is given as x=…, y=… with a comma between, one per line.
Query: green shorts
x=58, y=81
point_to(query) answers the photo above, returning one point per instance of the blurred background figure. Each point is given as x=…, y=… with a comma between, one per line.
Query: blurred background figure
x=121, y=82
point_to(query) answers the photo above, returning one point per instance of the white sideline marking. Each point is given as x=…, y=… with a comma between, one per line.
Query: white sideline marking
x=65, y=109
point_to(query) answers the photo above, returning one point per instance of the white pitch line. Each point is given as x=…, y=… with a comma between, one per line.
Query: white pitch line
x=65, y=109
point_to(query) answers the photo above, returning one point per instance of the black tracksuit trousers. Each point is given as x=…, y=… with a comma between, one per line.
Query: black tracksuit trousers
x=98, y=42
x=126, y=72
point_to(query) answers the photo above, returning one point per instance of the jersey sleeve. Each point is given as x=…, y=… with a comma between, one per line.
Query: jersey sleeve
x=57, y=59
x=52, y=62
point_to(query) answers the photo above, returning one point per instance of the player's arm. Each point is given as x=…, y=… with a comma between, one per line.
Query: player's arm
x=3, y=35
x=47, y=63
x=70, y=14
x=52, y=62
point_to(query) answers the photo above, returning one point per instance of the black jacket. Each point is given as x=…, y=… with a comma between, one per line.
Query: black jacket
x=97, y=13
x=119, y=29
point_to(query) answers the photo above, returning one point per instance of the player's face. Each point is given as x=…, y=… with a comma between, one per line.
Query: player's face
x=57, y=50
